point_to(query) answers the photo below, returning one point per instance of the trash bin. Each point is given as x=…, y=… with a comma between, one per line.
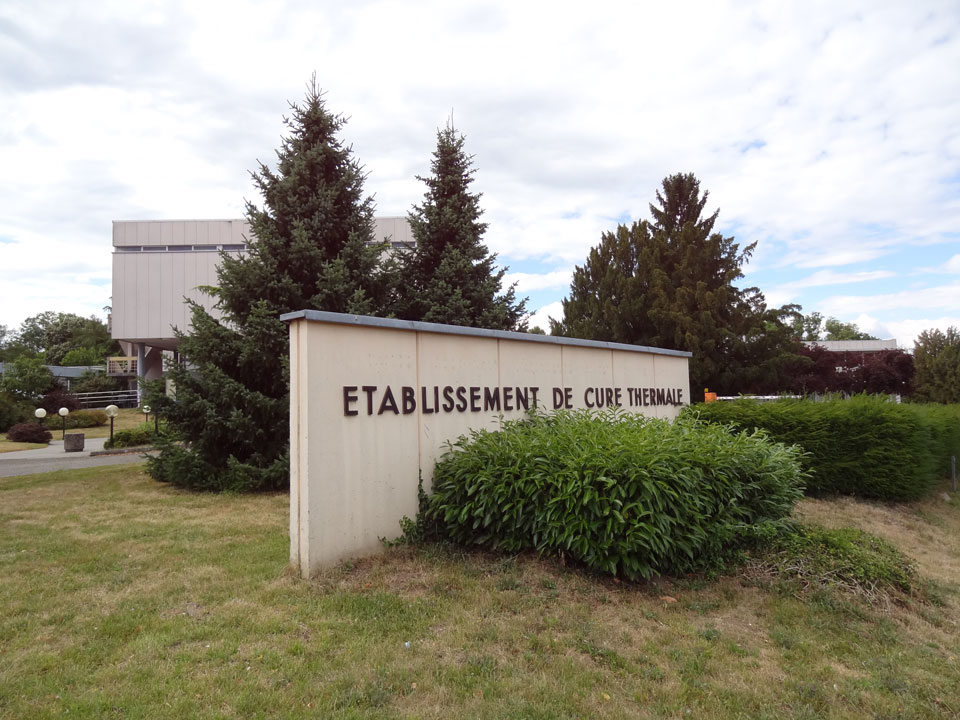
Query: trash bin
x=73, y=442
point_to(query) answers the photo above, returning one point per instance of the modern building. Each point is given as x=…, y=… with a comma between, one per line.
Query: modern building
x=159, y=264
x=854, y=346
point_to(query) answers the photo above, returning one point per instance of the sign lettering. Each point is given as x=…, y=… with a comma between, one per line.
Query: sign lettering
x=376, y=400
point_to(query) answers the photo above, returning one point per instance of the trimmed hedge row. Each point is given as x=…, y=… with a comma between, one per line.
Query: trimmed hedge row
x=624, y=494
x=865, y=446
x=77, y=419
x=944, y=423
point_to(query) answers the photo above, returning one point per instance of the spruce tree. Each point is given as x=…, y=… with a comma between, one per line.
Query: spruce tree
x=449, y=276
x=671, y=283
x=311, y=247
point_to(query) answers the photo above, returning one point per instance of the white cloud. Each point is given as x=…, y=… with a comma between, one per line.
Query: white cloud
x=906, y=331
x=528, y=282
x=541, y=318
x=930, y=298
x=827, y=134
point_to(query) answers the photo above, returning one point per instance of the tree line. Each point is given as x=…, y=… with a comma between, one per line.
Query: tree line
x=54, y=338
x=670, y=281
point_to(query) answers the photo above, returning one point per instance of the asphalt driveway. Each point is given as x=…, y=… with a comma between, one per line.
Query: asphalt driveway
x=53, y=457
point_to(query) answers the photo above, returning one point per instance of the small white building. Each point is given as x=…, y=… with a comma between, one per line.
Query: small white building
x=158, y=264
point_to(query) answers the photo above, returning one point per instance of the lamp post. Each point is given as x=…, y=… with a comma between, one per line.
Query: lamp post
x=39, y=413
x=112, y=411
x=63, y=412
x=156, y=419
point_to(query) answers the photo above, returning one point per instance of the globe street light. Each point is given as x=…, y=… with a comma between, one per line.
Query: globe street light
x=63, y=412
x=156, y=419
x=39, y=413
x=112, y=411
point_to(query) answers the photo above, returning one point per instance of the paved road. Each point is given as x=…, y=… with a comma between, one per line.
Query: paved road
x=53, y=457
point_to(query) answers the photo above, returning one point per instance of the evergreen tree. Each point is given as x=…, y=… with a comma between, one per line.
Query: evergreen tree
x=449, y=275
x=936, y=357
x=670, y=283
x=312, y=247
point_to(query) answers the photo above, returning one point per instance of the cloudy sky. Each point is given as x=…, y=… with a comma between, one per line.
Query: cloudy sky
x=827, y=132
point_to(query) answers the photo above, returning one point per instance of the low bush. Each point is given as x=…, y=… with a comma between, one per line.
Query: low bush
x=865, y=446
x=143, y=434
x=624, y=494
x=810, y=557
x=29, y=432
x=12, y=411
x=87, y=419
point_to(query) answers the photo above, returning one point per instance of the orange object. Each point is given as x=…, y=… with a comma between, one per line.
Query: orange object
x=708, y=396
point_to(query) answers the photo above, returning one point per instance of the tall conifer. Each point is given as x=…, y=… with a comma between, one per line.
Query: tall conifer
x=311, y=248
x=671, y=283
x=450, y=276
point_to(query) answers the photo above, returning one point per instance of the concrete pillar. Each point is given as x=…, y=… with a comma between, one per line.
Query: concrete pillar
x=141, y=370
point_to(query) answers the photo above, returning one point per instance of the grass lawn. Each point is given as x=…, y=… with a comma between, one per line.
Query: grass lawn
x=126, y=418
x=123, y=598
x=11, y=446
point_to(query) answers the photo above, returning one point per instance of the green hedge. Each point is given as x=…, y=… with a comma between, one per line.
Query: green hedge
x=77, y=419
x=944, y=424
x=143, y=434
x=626, y=495
x=865, y=446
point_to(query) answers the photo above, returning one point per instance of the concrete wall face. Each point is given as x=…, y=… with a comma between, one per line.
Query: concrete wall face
x=371, y=407
x=159, y=263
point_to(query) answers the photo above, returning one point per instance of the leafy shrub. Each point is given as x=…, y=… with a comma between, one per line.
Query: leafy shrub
x=29, y=432
x=810, y=557
x=865, y=446
x=624, y=494
x=57, y=398
x=12, y=411
x=143, y=434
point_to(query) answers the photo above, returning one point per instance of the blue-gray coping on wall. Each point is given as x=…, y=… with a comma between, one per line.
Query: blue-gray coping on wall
x=369, y=321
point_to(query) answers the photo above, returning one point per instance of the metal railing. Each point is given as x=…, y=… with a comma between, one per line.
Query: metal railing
x=120, y=398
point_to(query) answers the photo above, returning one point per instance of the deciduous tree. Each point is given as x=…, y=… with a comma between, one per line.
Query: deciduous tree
x=936, y=356
x=26, y=378
x=53, y=335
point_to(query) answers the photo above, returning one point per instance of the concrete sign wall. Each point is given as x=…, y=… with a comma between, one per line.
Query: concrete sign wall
x=373, y=402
